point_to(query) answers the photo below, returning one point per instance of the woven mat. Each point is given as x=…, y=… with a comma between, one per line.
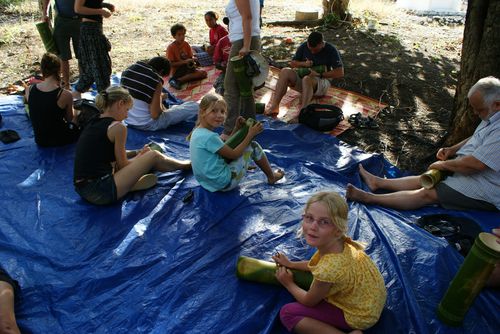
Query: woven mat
x=195, y=90
x=350, y=102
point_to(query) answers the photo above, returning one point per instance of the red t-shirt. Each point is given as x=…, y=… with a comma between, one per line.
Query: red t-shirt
x=216, y=33
x=221, y=53
x=176, y=52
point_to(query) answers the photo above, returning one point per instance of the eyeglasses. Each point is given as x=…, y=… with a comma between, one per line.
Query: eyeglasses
x=309, y=219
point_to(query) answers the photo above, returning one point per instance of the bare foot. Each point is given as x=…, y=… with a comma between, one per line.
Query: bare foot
x=355, y=194
x=368, y=178
x=270, y=110
x=277, y=175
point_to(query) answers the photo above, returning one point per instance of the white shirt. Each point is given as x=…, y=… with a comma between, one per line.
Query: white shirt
x=484, y=145
x=236, y=22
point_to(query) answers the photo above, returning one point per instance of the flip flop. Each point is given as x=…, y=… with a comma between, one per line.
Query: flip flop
x=145, y=182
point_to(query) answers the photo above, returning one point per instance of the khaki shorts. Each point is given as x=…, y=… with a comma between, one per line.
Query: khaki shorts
x=323, y=85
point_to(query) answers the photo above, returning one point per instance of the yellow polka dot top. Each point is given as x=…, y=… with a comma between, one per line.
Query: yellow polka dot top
x=358, y=288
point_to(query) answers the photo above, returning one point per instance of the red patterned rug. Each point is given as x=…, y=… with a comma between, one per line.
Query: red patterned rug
x=350, y=102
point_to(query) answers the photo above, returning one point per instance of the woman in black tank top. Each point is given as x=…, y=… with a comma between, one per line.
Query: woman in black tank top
x=51, y=107
x=104, y=170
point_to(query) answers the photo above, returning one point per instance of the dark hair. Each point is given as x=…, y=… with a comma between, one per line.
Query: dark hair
x=225, y=20
x=315, y=38
x=177, y=27
x=160, y=64
x=50, y=65
x=212, y=14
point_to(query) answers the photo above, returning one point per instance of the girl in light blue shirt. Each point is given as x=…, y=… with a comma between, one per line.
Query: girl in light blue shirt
x=209, y=153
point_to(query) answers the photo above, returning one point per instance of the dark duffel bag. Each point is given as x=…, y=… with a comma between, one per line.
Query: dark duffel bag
x=321, y=117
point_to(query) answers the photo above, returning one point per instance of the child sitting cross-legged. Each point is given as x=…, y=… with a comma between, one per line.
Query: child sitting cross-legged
x=348, y=292
x=208, y=152
x=181, y=59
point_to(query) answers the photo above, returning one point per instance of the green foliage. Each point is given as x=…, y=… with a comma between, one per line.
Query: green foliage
x=6, y=3
x=331, y=19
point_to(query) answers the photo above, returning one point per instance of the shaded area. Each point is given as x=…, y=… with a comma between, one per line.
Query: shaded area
x=419, y=88
x=155, y=264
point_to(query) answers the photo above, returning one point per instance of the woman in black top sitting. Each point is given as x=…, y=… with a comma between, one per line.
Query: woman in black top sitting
x=103, y=171
x=51, y=107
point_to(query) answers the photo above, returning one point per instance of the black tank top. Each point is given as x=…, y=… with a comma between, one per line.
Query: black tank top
x=96, y=4
x=46, y=116
x=94, y=151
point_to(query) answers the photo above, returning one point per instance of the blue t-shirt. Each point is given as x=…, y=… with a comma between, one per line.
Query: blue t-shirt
x=328, y=56
x=209, y=168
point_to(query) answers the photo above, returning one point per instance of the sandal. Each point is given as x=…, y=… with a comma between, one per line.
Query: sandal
x=354, y=119
x=368, y=123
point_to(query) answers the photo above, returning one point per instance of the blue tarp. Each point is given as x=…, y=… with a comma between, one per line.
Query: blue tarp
x=154, y=264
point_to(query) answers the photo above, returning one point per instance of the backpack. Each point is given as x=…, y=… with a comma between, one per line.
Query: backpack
x=321, y=117
x=88, y=111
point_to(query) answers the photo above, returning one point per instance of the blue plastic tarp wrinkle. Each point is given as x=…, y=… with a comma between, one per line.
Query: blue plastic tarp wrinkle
x=156, y=264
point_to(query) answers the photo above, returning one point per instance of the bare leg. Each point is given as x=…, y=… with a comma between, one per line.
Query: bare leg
x=65, y=73
x=401, y=200
x=313, y=326
x=197, y=75
x=309, y=85
x=272, y=176
x=287, y=78
x=8, y=323
x=128, y=176
x=403, y=183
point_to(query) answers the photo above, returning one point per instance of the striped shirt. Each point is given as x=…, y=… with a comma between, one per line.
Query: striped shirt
x=484, y=145
x=141, y=80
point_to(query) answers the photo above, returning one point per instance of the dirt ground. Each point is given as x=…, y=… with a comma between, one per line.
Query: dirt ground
x=410, y=62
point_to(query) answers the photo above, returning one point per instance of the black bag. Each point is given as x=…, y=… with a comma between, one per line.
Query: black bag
x=321, y=117
x=252, y=68
x=460, y=232
x=88, y=111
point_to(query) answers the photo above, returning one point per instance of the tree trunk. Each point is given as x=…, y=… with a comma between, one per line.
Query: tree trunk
x=480, y=58
x=337, y=7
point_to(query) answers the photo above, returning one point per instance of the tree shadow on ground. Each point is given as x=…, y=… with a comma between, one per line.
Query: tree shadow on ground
x=418, y=87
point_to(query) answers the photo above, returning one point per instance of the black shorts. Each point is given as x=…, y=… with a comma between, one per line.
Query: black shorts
x=100, y=191
x=4, y=277
x=182, y=71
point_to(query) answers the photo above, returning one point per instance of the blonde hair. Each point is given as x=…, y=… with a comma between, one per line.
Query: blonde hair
x=337, y=210
x=207, y=104
x=110, y=96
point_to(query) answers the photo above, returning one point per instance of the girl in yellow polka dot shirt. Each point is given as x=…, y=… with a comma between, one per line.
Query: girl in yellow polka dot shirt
x=348, y=291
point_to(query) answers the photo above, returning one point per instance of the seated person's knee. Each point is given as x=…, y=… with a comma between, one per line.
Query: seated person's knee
x=308, y=80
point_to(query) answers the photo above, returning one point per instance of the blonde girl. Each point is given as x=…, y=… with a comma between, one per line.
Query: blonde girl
x=103, y=172
x=208, y=152
x=348, y=291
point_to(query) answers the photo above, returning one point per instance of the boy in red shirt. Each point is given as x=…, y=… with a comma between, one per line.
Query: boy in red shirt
x=181, y=59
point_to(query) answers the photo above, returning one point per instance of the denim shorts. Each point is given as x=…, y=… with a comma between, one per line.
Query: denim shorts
x=99, y=191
